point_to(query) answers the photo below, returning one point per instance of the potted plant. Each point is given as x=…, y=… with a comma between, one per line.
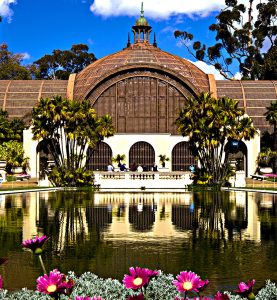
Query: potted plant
x=118, y=159
x=163, y=159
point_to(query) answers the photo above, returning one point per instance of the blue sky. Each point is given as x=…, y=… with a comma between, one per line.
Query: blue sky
x=37, y=27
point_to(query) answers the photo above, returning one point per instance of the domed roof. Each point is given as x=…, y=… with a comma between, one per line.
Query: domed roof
x=137, y=57
x=141, y=21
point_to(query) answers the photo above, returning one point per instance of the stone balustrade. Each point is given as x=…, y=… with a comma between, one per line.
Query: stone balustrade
x=142, y=180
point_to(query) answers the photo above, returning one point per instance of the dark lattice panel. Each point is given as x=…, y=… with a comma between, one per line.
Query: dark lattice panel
x=142, y=153
x=141, y=105
x=101, y=157
x=182, y=157
x=253, y=96
x=18, y=97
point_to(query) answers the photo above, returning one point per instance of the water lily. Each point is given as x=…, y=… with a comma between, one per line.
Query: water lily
x=187, y=282
x=35, y=244
x=138, y=277
x=220, y=296
x=54, y=284
x=1, y=282
x=245, y=289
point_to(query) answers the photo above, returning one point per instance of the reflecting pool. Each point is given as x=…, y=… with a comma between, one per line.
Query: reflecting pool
x=224, y=237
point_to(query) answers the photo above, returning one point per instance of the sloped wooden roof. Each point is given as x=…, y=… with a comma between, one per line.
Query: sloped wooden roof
x=18, y=97
x=253, y=96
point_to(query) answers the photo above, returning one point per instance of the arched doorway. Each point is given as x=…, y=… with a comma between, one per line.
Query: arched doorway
x=101, y=157
x=45, y=159
x=182, y=157
x=142, y=153
x=237, y=155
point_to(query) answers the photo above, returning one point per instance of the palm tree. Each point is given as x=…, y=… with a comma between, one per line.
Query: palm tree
x=70, y=128
x=163, y=159
x=209, y=123
x=119, y=158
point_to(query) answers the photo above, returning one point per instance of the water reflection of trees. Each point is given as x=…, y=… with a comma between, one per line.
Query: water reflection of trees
x=267, y=207
x=211, y=213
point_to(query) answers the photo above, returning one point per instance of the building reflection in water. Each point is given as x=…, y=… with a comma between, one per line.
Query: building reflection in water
x=82, y=225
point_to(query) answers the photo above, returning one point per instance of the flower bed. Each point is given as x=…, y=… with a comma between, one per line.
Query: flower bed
x=139, y=284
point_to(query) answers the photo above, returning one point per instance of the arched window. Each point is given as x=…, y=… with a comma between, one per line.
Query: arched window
x=101, y=157
x=142, y=153
x=182, y=157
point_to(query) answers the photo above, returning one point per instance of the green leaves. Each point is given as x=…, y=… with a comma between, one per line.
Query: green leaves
x=209, y=123
x=69, y=127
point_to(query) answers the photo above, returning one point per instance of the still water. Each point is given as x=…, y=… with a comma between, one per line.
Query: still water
x=224, y=237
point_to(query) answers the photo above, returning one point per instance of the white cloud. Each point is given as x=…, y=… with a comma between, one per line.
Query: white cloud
x=155, y=9
x=208, y=69
x=5, y=8
x=160, y=9
x=25, y=55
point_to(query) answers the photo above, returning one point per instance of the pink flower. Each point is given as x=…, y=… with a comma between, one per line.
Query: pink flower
x=35, y=244
x=54, y=284
x=204, y=283
x=245, y=289
x=1, y=282
x=138, y=278
x=220, y=296
x=188, y=281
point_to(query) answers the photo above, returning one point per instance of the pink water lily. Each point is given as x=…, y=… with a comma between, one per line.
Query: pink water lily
x=1, y=282
x=188, y=281
x=35, y=244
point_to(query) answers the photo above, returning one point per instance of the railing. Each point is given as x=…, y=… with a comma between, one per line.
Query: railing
x=142, y=180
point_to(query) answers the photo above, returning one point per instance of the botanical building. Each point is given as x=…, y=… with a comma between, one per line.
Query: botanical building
x=143, y=88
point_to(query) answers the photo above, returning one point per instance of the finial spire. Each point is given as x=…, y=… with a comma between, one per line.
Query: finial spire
x=128, y=43
x=155, y=42
x=141, y=10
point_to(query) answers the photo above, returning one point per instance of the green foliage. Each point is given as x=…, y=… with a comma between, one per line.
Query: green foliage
x=68, y=129
x=61, y=63
x=12, y=152
x=209, y=123
x=65, y=177
x=266, y=157
x=10, y=129
x=10, y=65
x=240, y=40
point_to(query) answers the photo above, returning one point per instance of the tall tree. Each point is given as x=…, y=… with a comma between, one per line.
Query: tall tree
x=69, y=128
x=61, y=63
x=10, y=65
x=241, y=40
x=210, y=123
